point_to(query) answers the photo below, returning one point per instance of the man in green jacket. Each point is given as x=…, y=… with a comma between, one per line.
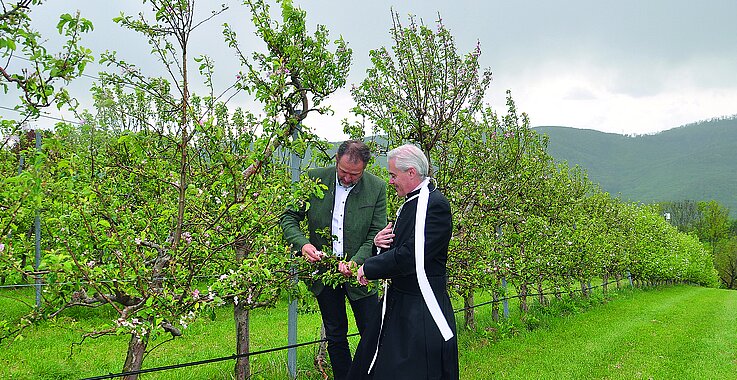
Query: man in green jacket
x=353, y=209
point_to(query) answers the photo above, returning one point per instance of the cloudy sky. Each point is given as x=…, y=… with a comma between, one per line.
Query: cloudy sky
x=627, y=66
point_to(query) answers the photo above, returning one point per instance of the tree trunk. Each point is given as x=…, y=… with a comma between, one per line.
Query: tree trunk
x=523, y=297
x=321, y=363
x=134, y=358
x=495, y=306
x=604, y=283
x=468, y=311
x=243, y=341
x=584, y=290
x=540, y=294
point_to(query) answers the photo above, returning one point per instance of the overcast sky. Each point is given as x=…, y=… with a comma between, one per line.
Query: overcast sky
x=627, y=66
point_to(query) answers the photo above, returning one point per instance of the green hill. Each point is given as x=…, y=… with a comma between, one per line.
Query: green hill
x=696, y=162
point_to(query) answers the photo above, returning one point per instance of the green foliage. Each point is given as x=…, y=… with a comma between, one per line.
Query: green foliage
x=725, y=261
x=714, y=222
x=39, y=86
x=164, y=204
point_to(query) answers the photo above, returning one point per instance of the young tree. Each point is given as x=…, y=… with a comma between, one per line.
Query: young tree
x=726, y=262
x=422, y=92
x=298, y=69
x=427, y=94
x=713, y=224
x=481, y=174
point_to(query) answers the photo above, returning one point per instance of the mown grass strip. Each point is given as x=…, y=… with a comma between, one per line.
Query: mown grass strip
x=679, y=332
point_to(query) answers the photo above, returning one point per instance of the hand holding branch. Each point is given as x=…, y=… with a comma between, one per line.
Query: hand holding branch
x=347, y=267
x=311, y=253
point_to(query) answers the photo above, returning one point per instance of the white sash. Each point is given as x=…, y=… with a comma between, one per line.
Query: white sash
x=427, y=293
x=425, y=289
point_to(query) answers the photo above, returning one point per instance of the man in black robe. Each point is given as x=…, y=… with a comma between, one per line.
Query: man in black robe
x=415, y=337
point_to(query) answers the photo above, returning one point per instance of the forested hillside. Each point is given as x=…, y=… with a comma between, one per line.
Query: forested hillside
x=697, y=161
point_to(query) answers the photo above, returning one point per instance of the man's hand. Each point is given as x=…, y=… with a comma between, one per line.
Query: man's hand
x=385, y=237
x=361, y=277
x=311, y=253
x=346, y=268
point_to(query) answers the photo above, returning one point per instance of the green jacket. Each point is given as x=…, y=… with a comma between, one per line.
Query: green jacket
x=365, y=216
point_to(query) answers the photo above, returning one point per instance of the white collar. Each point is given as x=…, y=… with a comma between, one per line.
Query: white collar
x=424, y=182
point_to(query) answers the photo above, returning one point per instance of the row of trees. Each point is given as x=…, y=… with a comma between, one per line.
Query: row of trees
x=161, y=204
x=518, y=215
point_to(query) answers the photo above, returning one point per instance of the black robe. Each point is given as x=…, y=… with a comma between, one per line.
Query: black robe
x=412, y=346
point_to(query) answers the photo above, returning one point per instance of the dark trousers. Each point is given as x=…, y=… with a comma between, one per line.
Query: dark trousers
x=334, y=317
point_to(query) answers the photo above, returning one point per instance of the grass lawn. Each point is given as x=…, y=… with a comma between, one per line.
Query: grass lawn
x=679, y=332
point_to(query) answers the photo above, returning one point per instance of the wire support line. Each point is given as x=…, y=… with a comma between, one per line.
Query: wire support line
x=206, y=361
x=15, y=286
x=44, y=115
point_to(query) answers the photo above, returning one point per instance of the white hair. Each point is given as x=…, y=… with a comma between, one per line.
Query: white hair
x=409, y=156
